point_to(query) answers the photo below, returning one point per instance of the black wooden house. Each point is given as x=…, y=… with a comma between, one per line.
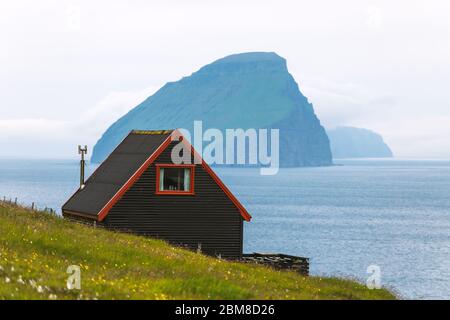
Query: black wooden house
x=139, y=189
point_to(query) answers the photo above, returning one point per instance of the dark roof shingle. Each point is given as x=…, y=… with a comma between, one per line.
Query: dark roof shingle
x=115, y=171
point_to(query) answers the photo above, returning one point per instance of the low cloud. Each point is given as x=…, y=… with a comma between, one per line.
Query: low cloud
x=23, y=127
x=336, y=105
x=48, y=138
x=345, y=104
x=409, y=134
x=413, y=136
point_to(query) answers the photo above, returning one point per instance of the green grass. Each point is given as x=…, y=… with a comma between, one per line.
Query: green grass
x=36, y=249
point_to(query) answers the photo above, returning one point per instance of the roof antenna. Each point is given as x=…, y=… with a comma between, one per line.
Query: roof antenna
x=82, y=151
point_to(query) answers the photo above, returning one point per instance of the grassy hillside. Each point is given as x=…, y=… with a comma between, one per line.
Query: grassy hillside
x=36, y=248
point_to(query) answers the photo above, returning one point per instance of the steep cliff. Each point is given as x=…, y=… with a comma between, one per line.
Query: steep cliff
x=349, y=142
x=249, y=90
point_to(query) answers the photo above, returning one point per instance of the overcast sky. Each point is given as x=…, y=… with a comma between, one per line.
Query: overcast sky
x=68, y=69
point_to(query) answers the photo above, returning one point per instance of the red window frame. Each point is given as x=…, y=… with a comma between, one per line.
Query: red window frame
x=175, y=192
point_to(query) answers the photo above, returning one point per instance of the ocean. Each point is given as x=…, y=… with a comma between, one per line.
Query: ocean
x=394, y=214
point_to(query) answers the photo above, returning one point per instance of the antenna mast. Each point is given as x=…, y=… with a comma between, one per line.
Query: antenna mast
x=82, y=151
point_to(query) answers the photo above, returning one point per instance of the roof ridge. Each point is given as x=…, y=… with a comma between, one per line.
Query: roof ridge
x=162, y=131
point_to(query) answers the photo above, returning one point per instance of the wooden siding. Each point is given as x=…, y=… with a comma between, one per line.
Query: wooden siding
x=208, y=218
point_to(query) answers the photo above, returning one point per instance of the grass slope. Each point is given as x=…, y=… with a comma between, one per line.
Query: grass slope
x=36, y=248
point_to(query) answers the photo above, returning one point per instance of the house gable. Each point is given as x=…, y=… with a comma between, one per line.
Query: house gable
x=208, y=218
x=101, y=193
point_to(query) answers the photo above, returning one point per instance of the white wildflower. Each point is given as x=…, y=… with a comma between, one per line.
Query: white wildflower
x=40, y=289
x=52, y=296
x=7, y=280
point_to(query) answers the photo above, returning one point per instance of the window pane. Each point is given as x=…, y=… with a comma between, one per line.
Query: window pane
x=174, y=179
x=161, y=179
x=187, y=179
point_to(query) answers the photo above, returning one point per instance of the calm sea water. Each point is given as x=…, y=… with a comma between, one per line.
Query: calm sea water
x=390, y=213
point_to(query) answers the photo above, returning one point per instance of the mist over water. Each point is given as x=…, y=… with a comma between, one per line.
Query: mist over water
x=390, y=213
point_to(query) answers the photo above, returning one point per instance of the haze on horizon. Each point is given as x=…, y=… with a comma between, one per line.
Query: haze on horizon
x=69, y=69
